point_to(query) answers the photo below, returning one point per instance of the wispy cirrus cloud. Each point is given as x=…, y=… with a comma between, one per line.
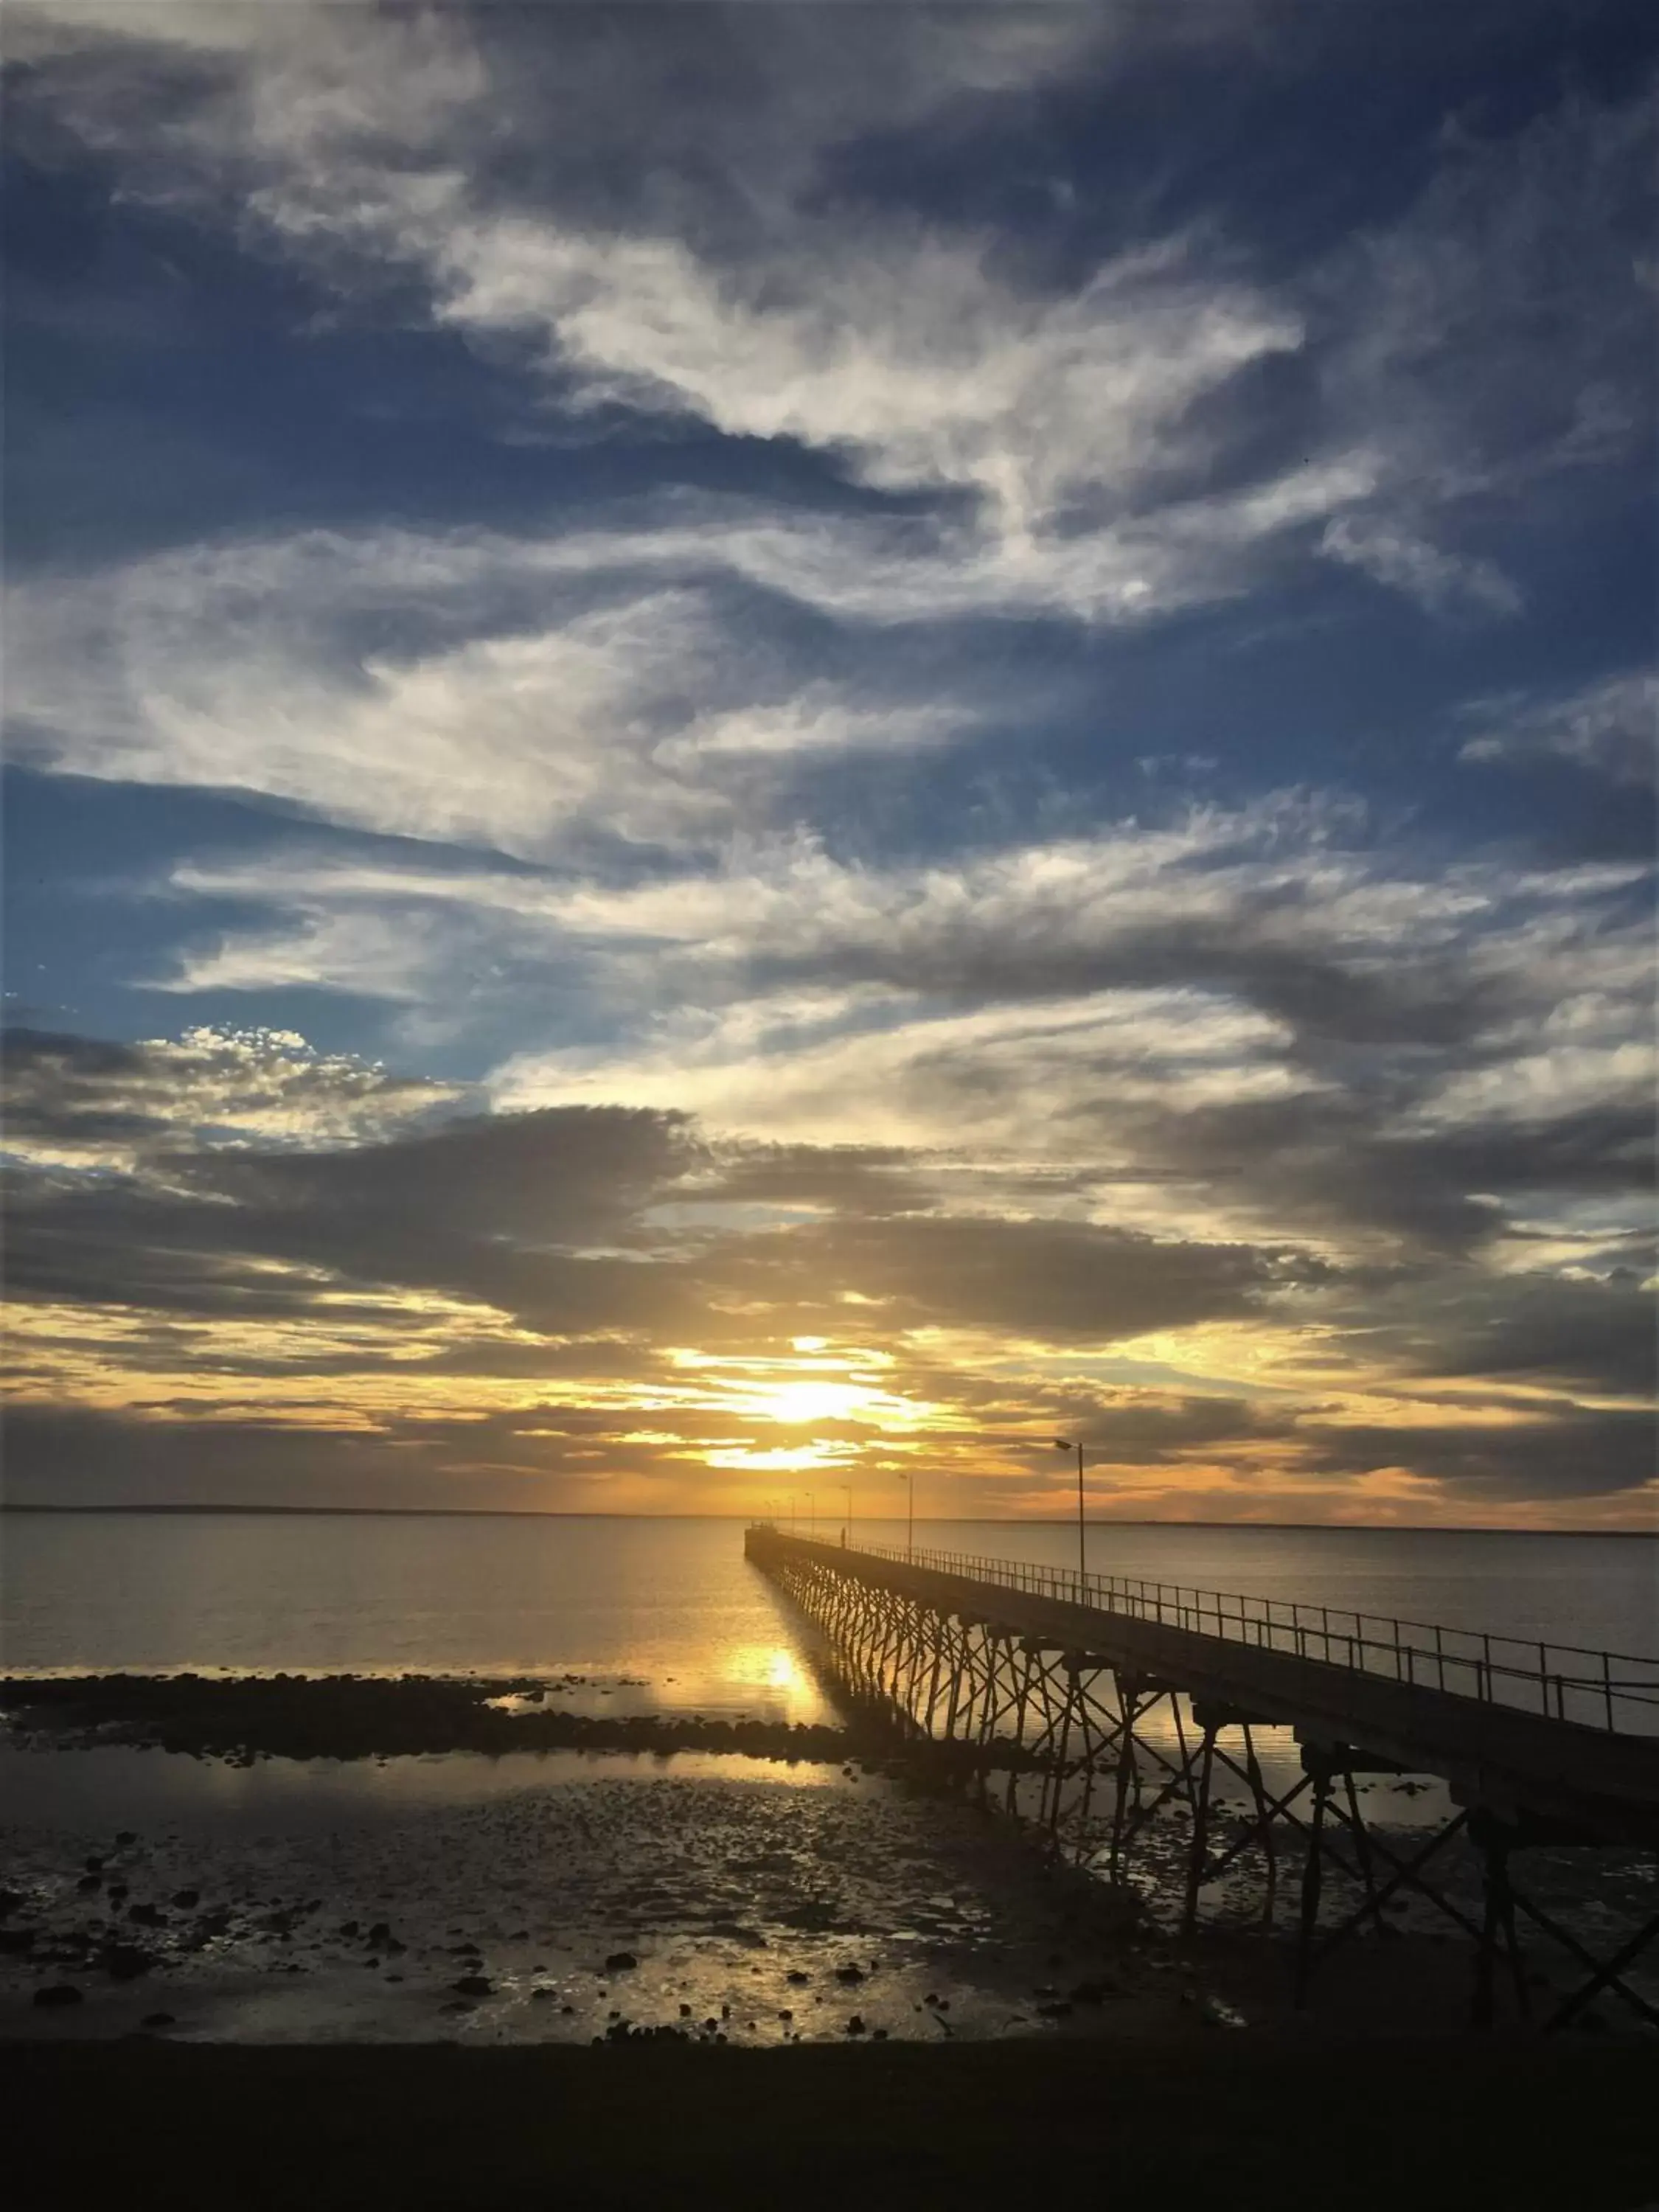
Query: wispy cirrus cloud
x=1069, y=422
x=1441, y=581
x=1611, y=727
x=469, y=690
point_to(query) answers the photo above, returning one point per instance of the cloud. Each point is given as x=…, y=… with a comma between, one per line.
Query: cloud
x=1567, y=1452
x=467, y=688
x=906, y=353
x=879, y=1063
x=554, y=1218
x=253, y=669
x=1026, y=435
x=1587, y=1334
x=1258, y=1018
x=1610, y=728
x=1441, y=581
x=1051, y=1281
x=1496, y=342
x=76, y=1100
x=621, y=1281
x=1071, y=429
x=1253, y=1000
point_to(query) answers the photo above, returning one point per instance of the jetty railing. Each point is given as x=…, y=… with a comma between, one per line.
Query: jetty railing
x=1617, y=1692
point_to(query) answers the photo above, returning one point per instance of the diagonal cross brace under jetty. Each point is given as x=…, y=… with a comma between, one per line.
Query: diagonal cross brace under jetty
x=1034, y=1669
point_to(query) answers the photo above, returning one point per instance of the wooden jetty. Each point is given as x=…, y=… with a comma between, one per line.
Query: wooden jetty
x=1049, y=1678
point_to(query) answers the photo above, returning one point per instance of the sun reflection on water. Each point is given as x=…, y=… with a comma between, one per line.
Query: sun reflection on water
x=773, y=1668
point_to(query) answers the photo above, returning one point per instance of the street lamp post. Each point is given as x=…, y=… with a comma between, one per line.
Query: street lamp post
x=812, y=1517
x=908, y=1477
x=848, y=1487
x=1063, y=1444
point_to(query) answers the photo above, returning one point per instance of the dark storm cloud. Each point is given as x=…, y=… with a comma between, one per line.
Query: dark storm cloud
x=1595, y=1336
x=562, y=1174
x=1054, y=1280
x=527, y=1211
x=70, y=1456
x=1560, y=1449
x=167, y=1260
x=503, y=1212
x=547, y=1216
x=1568, y=1452
x=875, y=1179
x=1594, y=1333
x=544, y=1216
x=1128, y=1428
x=201, y=1257
x=67, y=1089
x=1340, y=1159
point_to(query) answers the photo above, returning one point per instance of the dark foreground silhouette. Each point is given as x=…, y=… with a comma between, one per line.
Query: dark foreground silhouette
x=1398, y=2126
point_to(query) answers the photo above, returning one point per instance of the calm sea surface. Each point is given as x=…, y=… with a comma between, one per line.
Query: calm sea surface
x=669, y=1611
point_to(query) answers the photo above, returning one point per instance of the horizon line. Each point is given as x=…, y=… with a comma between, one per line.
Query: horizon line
x=553, y=1513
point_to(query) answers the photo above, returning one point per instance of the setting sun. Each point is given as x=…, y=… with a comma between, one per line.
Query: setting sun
x=795, y=1402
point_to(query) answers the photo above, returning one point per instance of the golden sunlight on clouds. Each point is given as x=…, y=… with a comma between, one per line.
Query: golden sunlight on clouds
x=1274, y=1414
x=780, y=1459
x=818, y=1386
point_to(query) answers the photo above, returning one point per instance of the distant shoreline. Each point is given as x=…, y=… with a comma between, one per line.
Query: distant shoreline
x=539, y=1513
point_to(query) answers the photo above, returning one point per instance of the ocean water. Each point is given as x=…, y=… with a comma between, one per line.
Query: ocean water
x=669, y=1612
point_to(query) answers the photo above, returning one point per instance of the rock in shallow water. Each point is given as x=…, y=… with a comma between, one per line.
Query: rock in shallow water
x=124, y=1962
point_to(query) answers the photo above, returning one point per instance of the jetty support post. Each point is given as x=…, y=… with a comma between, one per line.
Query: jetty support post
x=1320, y=1766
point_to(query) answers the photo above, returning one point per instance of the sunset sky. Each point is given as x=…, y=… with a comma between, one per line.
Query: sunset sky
x=752, y=747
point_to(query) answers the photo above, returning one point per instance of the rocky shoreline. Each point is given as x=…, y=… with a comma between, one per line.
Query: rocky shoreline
x=373, y=1717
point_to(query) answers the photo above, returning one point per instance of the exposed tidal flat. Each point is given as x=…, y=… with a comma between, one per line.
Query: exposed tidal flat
x=295, y=1859
x=763, y=1893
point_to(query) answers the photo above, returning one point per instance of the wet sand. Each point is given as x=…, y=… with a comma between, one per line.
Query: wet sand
x=546, y=1899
